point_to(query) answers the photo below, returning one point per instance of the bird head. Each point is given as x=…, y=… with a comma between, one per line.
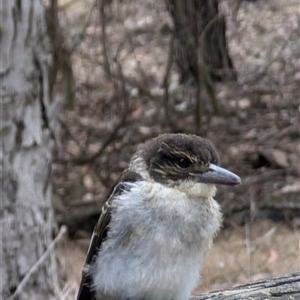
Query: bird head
x=186, y=162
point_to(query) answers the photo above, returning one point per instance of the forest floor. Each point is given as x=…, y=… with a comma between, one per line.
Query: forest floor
x=257, y=135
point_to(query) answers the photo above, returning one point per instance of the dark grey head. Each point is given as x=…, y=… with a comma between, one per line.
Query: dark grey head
x=173, y=157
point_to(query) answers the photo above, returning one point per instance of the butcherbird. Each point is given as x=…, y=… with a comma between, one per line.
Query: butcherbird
x=158, y=223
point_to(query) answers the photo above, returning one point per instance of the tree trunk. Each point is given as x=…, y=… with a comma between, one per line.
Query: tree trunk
x=201, y=53
x=26, y=217
x=200, y=31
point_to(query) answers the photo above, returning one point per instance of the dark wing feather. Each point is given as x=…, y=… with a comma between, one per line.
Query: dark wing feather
x=100, y=232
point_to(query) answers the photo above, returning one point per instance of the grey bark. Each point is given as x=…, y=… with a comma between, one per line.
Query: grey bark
x=280, y=288
x=26, y=216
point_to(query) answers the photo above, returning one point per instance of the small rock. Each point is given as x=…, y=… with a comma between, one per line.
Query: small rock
x=88, y=197
x=244, y=103
x=280, y=158
x=276, y=157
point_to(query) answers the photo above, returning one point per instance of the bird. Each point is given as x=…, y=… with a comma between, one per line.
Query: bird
x=158, y=222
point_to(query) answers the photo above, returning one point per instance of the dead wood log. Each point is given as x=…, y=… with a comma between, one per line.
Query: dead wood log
x=279, y=288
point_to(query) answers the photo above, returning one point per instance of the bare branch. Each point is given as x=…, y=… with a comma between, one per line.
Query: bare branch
x=281, y=288
x=40, y=262
x=165, y=84
x=107, y=67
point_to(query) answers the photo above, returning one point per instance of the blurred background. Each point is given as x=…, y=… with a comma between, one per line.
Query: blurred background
x=124, y=71
x=226, y=70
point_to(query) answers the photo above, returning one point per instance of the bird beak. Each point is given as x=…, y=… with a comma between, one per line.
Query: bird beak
x=219, y=175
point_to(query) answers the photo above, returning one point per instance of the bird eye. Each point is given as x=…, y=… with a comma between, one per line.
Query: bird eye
x=183, y=163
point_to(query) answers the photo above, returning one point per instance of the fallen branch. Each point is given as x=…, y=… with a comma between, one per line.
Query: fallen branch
x=280, y=288
x=39, y=262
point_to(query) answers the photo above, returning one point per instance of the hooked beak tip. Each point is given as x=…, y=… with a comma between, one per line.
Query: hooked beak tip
x=218, y=175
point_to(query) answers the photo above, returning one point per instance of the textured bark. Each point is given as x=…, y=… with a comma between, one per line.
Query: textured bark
x=26, y=217
x=200, y=34
x=281, y=288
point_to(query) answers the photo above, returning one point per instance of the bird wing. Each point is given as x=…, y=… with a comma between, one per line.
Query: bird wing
x=100, y=232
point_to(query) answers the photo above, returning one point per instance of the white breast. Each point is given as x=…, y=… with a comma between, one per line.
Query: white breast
x=156, y=243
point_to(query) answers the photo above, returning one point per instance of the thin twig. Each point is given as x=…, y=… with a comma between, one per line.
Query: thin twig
x=165, y=84
x=107, y=141
x=81, y=35
x=279, y=134
x=66, y=128
x=143, y=89
x=204, y=76
x=121, y=123
x=207, y=27
x=38, y=263
x=264, y=70
x=107, y=66
x=262, y=177
x=248, y=244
